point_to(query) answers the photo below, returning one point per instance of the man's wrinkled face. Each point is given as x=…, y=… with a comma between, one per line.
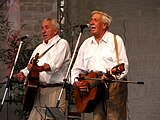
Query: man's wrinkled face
x=48, y=30
x=97, y=25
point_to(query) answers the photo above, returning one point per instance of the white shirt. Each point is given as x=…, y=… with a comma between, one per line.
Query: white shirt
x=99, y=57
x=57, y=57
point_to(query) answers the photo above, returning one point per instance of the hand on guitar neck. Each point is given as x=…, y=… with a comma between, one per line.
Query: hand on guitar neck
x=37, y=68
x=115, y=72
x=32, y=66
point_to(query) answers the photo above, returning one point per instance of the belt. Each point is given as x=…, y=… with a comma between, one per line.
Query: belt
x=51, y=85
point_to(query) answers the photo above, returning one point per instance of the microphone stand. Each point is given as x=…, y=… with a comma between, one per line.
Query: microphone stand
x=9, y=85
x=69, y=68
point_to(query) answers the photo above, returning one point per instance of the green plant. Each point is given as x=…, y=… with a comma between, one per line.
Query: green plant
x=7, y=56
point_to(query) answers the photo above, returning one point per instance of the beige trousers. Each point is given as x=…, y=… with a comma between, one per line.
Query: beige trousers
x=47, y=97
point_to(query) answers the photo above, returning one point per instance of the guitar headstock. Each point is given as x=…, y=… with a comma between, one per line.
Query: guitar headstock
x=34, y=60
x=118, y=69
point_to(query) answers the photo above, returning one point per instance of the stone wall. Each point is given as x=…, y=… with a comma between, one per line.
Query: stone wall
x=33, y=12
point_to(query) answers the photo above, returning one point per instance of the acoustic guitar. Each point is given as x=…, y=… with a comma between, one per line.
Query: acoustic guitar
x=31, y=86
x=87, y=92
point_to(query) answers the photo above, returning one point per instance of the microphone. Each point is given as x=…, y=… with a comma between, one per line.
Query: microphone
x=24, y=37
x=82, y=26
x=140, y=82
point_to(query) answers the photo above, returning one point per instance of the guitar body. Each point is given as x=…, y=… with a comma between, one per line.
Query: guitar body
x=87, y=93
x=86, y=100
x=30, y=89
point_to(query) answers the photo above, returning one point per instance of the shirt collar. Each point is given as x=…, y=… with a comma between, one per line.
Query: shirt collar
x=52, y=40
x=104, y=38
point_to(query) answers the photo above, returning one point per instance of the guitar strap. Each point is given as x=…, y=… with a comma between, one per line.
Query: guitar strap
x=116, y=49
x=118, y=92
x=47, y=50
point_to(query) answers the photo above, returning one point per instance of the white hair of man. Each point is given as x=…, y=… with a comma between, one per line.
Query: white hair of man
x=105, y=17
x=55, y=23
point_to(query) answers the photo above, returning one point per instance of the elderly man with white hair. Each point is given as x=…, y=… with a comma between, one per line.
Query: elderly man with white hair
x=101, y=53
x=48, y=72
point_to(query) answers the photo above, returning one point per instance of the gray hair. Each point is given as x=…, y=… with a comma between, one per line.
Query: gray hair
x=105, y=17
x=54, y=22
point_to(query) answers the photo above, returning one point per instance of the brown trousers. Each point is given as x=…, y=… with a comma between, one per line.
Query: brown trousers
x=115, y=108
